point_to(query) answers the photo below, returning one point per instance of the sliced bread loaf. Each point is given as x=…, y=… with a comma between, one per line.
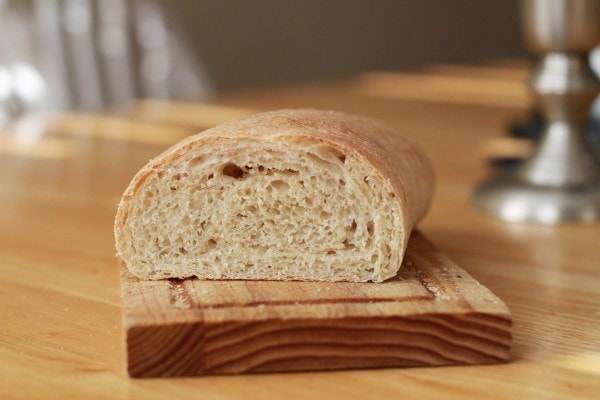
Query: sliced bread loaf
x=286, y=195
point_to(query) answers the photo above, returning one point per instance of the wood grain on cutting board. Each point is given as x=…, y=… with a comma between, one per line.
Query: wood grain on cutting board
x=432, y=313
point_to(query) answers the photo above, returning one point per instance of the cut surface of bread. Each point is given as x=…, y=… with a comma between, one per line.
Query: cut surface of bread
x=284, y=195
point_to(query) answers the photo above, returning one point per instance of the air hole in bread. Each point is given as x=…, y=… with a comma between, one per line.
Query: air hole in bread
x=348, y=245
x=338, y=154
x=234, y=171
x=210, y=176
x=370, y=227
x=280, y=185
x=328, y=164
x=331, y=252
x=195, y=161
x=352, y=227
x=211, y=243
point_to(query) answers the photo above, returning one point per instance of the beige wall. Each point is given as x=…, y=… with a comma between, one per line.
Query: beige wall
x=264, y=42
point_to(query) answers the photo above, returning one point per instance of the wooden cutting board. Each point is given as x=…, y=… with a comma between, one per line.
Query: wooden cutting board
x=433, y=313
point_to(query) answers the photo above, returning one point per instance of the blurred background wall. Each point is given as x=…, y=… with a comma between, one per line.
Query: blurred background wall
x=94, y=54
x=263, y=42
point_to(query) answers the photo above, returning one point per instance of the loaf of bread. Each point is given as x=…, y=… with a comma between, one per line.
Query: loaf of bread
x=282, y=195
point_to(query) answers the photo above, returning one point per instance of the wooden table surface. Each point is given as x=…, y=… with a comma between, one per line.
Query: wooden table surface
x=61, y=177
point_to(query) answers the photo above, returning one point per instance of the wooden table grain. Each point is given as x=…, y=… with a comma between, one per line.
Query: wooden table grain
x=61, y=177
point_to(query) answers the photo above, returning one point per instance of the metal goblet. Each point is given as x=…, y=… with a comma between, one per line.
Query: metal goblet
x=560, y=181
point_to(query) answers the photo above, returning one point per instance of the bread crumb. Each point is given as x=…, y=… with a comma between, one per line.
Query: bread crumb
x=179, y=298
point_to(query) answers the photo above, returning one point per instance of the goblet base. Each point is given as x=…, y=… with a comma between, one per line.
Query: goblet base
x=512, y=199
